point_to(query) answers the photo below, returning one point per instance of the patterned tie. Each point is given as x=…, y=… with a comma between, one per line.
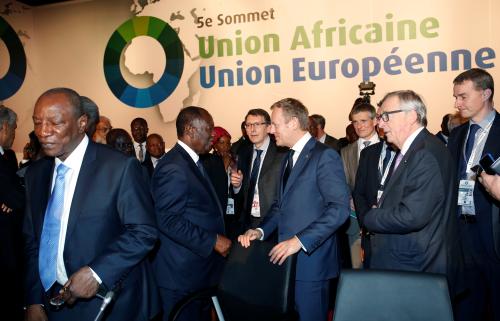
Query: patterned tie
x=398, y=160
x=288, y=168
x=47, y=256
x=468, y=148
x=141, y=153
x=253, y=177
x=366, y=143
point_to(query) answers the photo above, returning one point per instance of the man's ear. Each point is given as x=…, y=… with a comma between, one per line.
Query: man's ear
x=82, y=123
x=486, y=94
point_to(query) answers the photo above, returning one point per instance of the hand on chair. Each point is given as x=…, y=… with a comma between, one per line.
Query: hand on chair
x=249, y=236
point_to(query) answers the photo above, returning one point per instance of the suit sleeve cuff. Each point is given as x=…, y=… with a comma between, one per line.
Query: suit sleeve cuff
x=262, y=232
x=301, y=245
x=98, y=279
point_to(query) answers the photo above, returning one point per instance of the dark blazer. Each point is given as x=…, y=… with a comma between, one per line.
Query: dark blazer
x=312, y=206
x=148, y=165
x=415, y=225
x=214, y=165
x=189, y=217
x=269, y=179
x=487, y=208
x=111, y=228
x=332, y=142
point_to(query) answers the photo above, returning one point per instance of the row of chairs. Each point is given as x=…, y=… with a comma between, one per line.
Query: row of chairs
x=252, y=288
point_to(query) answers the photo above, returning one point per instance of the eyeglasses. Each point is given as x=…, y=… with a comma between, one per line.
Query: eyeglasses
x=256, y=125
x=385, y=115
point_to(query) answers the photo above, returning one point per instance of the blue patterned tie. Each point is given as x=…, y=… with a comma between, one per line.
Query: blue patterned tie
x=253, y=178
x=47, y=256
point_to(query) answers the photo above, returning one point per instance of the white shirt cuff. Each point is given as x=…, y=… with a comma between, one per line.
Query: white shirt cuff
x=301, y=245
x=98, y=279
x=262, y=232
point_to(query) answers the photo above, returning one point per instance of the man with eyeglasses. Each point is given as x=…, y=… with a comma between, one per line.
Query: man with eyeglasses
x=259, y=163
x=362, y=117
x=413, y=222
x=478, y=213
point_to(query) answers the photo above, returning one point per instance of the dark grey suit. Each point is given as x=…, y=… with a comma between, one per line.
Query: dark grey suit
x=332, y=142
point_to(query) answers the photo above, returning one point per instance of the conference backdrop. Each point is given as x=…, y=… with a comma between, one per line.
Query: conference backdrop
x=150, y=58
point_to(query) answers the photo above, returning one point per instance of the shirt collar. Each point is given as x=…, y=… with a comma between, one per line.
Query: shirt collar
x=75, y=159
x=322, y=138
x=299, y=145
x=487, y=120
x=265, y=144
x=191, y=152
x=1, y=150
x=410, y=139
x=373, y=139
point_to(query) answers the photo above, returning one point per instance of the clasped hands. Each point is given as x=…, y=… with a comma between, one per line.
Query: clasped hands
x=279, y=252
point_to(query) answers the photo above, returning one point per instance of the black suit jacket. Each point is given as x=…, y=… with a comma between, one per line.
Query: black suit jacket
x=487, y=208
x=415, y=225
x=269, y=178
x=111, y=228
x=332, y=142
x=148, y=165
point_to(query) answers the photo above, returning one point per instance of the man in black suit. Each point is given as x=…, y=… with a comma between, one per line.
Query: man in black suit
x=11, y=211
x=260, y=165
x=89, y=221
x=317, y=130
x=413, y=222
x=139, y=129
x=444, y=133
x=155, y=147
x=478, y=212
x=190, y=218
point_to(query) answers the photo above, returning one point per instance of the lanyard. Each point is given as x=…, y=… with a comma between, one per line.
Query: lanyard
x=477, y=143
x=388, y=167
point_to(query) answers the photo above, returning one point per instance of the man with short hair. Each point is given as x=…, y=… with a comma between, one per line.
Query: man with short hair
x=11, y=211
x=312, y=203
x=413, y=222
x=139, y=129
x=192, y=242
x=102, y=129
x=260, y=164
x=88, y=225
x=362, y=117
x=478, y=214
x=444, y=133
x=156, y=149
x=317, y=130
x=92, y=111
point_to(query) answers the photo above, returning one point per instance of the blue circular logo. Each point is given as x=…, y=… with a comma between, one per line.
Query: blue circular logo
x=14, y=77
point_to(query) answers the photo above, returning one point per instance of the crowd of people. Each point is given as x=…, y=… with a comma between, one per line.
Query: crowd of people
x=93, y=210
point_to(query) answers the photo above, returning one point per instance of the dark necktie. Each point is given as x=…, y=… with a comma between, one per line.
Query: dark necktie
x=288, y=168
x=253, y=177
x=49, y=242
x=366, y=143
x=468, y=148
x=201, y=168
x=141, y=153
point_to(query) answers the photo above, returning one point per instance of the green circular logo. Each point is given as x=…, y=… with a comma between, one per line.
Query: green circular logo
x=171, y=44
x=14, y=77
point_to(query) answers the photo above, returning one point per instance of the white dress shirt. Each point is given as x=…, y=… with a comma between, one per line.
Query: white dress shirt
x=191, y=152
x=373, y=140
x=137, y=147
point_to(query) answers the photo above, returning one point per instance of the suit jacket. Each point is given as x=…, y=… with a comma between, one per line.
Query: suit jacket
x=415, y=225
x=269, y=178
x=350, y=160
x=214, y=165
x=332, y=142
x=189, y=217
x=148, y=165
x=312, y=206
x=111, y=228
x=487, y=208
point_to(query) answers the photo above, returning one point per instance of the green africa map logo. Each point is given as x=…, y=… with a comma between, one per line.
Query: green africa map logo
x=13, y=79
x=171, y=44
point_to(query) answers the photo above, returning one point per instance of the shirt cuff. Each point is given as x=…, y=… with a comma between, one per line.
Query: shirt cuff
x=301, y=245
x=236, y=190
x=98, y=279
x=262, y=232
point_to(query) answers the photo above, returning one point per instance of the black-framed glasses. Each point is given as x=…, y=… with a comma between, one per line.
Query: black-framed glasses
x=256, y=125
x=385, y=115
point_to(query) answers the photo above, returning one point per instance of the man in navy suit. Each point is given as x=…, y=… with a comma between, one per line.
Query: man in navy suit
x=88, y=225
x=190, y=217
x=478, y=212
x=312, y=203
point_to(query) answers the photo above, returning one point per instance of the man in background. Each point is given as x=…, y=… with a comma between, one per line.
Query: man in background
x=317, y=130
x=139, y=129
x=155, y=147
x=102, y=129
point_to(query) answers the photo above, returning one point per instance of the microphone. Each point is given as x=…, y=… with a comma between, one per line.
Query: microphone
x=106, y=301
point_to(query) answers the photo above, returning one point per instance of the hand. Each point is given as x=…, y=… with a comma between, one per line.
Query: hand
x=81, y=284
x=236, y=178
x=222, y=245
x=35, y=312
x=284, y=249
x=5, y=208
x=491, y=183
x=249, y=236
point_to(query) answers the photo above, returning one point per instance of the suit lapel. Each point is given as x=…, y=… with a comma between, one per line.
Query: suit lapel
x=303, y=159
x=83, y=184
x=44, y=179
x=268, y=160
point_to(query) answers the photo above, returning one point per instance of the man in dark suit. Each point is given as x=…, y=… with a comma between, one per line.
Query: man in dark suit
x=413, y=222
x=190, y=217
x=88, y=225
x=444, y=133
x=260, y=164
x=11, y=212
x=312, y=203
x=478, y=212
x=317, y=130
x=139, y=129
x=155, y=147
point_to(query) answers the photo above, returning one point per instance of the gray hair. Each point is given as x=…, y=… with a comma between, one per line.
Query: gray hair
x=410, y=100
x=8, y=116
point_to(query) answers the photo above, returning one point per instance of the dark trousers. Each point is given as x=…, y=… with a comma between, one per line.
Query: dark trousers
x=312, y=300
x=195, y=311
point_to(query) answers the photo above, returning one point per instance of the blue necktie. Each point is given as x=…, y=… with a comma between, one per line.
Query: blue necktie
x=253, y=178
x=201, y=168
x=47, y=256
x=288, y=168
x=469, y=145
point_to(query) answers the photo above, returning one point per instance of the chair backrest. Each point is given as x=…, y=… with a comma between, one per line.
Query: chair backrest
x=252, y=288
x=392, y=296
